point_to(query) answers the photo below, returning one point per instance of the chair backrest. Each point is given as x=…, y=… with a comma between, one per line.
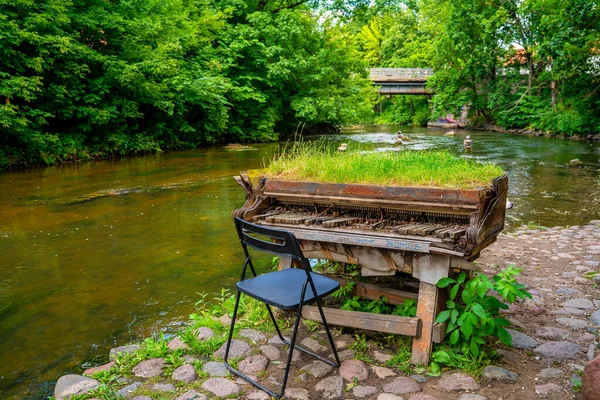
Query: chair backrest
x=278, y=242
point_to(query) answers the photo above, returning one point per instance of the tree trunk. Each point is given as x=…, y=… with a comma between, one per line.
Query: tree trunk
x=529, y=71
x=554, y=94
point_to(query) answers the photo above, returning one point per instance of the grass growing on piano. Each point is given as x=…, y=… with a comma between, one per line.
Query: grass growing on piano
x=318, y=162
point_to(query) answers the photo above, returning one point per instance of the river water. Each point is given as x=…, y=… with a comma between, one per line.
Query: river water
x=98, y=254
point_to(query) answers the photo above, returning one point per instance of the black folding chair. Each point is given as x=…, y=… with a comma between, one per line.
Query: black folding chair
x=285, y=289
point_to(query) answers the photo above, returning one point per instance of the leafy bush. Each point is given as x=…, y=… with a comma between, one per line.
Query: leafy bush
x=474, y=316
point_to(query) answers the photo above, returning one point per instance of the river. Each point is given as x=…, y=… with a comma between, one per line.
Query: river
x=98, y=254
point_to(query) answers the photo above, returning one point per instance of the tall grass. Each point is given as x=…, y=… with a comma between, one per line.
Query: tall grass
x=317, y=162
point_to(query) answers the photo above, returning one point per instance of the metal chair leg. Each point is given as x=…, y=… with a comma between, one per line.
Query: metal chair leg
x=335, y=354
x=235, y=310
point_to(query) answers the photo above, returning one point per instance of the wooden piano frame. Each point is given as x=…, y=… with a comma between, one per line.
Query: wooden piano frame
x=425, y=258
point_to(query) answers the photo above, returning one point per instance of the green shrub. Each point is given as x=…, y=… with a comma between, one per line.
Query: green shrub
x=474, y=316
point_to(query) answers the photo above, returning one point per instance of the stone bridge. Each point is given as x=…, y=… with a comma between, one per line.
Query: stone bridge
x=401, y=80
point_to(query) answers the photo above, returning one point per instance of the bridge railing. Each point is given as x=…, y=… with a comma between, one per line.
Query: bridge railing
x=400, y=74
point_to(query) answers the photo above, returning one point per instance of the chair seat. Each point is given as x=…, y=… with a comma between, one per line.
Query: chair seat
x=282, y=289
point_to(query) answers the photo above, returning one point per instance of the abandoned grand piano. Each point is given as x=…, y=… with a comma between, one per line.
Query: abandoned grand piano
x=386, y=230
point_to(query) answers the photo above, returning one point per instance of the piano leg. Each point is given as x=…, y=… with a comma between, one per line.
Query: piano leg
x=426, y=312
x=429, y=269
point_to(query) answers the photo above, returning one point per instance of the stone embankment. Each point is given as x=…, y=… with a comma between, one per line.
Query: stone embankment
x=554, y=335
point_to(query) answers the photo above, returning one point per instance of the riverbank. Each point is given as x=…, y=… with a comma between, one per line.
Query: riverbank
x=554, y=335
x=531, y=132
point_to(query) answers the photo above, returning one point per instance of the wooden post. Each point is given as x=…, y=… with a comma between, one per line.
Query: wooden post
x=426, y=306
x=429, y=269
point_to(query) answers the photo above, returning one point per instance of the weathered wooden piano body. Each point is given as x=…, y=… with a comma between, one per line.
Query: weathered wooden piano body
x=424, y=232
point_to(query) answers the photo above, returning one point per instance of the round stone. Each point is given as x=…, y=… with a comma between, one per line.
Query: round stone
x=363, y=391
x=254, y=364
x=354, y=369
x=221, y=387
x=493, y=373
x=521, y=340
x=238, y=349
x=253, y=335
x=149, y=368
x=558, y=350
x=402, y=385
x=331, y=387
x=185, y=373
x=270, y=351
x=457, y=381
x=72, y=385
x=215, y=369
x=551, y=333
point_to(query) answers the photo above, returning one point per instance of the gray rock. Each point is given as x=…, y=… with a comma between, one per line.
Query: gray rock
x=257, y=395
x=592, y=263
x=544, y=390
x=317, y=368
x=565, y=291
x=471, y=396
x=176, y=344
x=363, y=391
x=493, y=373
x=163, y=387
x=140, y=398
x=270, y=351
x=189, y=359
x=569, y=274
x=389, y=396
x=423, y=396
x=127, y=390
x=581, y=303
x=354, y=369
x=551, y=373
x=253, y=335
x=564, y=255
x=238, y=349
x=276, y=341
x=296, y=393
x=382, y=372
x=549, y=332
x=568, y=311
x=331, y=387
x=402, y=385
x=204, y=333
x=419, y=378
x=254, y=364
x=71, y=385
x=215, y=369
x=457, y=381
x=149, y=368
x=595, y=318
x=185, y=373
x=558, y=350
x=131, y=348
x=221, y=387
x=521, y=340
x=344, y=355
x=587, y=338
x=572, y=323
x=313, y=345
x=192, y=395
x=381, y=357
x=590, y=352
x=509, y=356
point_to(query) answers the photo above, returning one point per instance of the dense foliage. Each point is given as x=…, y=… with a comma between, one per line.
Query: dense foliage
x=80, y=79
x=520, y=64
x=94, y=78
